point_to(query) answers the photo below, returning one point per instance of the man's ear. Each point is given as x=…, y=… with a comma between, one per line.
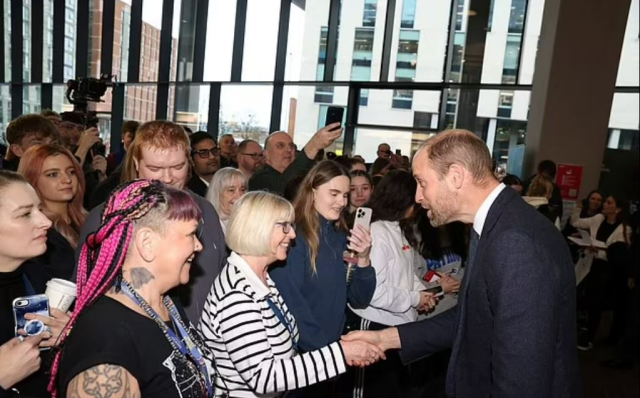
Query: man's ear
x=146, y=243
x=17, y=150
x=457, y=175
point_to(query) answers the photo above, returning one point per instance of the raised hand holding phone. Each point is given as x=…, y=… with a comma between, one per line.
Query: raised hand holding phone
x=359, y=246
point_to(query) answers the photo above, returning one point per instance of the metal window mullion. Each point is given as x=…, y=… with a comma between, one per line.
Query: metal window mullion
x=17, y=66
x=281, y=63
x=37, y=15
x=164, y=67
x=238, y=40
x=522, y=36
x=82, y=39
x=214, y=109
x=200, y=43
x=135, y=39
x=108, y=22
x=332, y=40
x=353, y=108
x=388, y=41
x=117, y=115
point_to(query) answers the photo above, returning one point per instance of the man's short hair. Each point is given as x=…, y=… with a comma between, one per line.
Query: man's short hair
x=200, y=136
x=266, y=141
x=462, y=147
x=384, y=143
x=547, y=167
x=257, y=212
x=156, y=135
x=243, y=145
x=130, y=126
x=24, y=125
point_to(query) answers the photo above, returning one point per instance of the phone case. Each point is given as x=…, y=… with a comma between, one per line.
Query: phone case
x=37, y=304
x=363, y=217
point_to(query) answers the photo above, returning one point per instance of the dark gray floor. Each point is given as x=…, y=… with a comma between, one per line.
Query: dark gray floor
x=599, y=382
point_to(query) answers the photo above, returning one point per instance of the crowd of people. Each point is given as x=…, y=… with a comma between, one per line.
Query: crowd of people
x=206, y=267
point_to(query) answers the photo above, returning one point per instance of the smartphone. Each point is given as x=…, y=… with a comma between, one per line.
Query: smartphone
x=436, y=291
x=334, y=115
x=36, y=304
x=363, y=217
x=398, y=152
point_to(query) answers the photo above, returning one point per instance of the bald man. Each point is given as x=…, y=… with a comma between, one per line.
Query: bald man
x=281, y=162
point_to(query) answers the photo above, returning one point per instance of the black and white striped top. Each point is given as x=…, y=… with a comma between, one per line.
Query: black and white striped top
x=253, y=350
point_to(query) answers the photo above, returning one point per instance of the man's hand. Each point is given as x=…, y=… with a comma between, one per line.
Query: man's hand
x=449, y=284
x=88, y=139
x=361, y=353
x=385, y=339
x=322, y=139
x=18, y=360
x=99, y=164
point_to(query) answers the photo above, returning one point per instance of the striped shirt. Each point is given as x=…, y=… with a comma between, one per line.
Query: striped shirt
x=253, y=350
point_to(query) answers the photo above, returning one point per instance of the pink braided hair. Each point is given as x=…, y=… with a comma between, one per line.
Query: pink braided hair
x=103, y=254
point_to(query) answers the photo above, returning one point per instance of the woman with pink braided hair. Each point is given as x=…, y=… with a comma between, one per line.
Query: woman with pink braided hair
x=126, y=337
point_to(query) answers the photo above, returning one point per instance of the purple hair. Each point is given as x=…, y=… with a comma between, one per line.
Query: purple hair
x=102, y=256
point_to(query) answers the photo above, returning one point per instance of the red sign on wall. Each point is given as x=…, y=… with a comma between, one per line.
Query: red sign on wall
x=569, y=179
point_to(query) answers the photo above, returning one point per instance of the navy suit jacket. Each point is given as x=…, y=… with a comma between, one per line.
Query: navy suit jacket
x=517, y=336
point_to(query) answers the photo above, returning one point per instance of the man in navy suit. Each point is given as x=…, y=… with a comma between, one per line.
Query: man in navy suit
x=513, y=332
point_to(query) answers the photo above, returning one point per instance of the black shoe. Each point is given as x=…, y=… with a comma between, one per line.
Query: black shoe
x=617, y=364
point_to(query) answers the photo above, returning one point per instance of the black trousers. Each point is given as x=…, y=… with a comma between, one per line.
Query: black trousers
x=606, y=289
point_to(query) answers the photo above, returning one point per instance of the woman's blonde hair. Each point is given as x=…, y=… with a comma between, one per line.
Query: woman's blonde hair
x=540, y=187
x=252, y=221
x=223, y=179
x=307, y=221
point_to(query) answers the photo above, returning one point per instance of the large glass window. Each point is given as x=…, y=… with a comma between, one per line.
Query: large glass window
x=219, y=44
x=260, y=40
x=370, y=10
x=406, y=64
x=5, y=110
x=245, y=111
x=362, y=55
x=367, y=141
x=195, y=113
x=408, y=14
x=381, y=109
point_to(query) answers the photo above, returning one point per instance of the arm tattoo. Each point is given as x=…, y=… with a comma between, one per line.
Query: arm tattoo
x=103, y=381
x=140, y=276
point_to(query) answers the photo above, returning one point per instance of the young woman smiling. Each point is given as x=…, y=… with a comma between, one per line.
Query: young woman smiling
x=58, y=179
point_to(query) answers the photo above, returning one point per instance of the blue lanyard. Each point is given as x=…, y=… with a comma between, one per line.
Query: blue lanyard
x=190, y=349
x=283, y=320
x=28, y=287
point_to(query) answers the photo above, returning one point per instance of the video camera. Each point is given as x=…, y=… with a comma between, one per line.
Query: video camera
x=84, y=90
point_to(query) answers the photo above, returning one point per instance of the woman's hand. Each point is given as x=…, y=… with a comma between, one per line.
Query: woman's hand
x=360, y=243
x=361, y=353
x=18, y=360
x=449, y=284
x=56, y=322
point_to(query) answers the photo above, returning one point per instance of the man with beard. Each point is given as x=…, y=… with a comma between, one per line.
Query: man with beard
x=206, y=161
x=250, y=157
x=513, y=332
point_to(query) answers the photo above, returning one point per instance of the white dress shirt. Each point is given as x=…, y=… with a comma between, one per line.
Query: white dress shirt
x=483, y=210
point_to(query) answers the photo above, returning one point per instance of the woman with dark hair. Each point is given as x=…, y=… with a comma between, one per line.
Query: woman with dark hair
x=314, y=281
x=381, y=167
x=59, y=182
x=399, y=293
x=126, y=335
x=514, y=182
x=361, y=189
x=609, y=227
x=587, y=207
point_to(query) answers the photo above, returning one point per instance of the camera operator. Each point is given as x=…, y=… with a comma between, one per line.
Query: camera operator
x=85, y=144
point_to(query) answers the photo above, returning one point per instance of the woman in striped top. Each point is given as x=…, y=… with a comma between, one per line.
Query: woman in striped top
x=247, y=325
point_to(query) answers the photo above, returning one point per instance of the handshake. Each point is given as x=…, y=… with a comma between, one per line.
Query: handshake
x=363, y=348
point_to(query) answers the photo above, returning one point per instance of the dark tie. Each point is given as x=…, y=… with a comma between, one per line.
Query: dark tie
x=462, y=313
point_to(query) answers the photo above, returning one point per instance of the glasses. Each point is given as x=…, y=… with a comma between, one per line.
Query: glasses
x=204, y=153
x=254, y=156
x=286, y=226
